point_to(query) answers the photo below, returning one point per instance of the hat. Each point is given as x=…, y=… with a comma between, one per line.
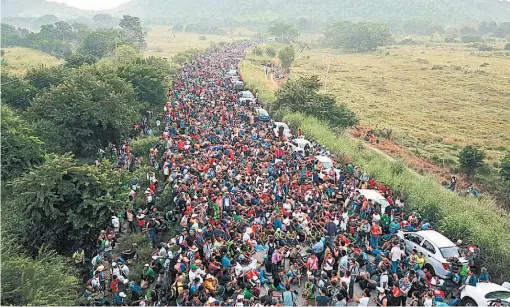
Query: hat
x=114, y=264
x=211, y=300
x=122, y=294
x=194, y=267
x=380, y=289
x=255, y=278
x=100, y=268
x=193, y=248
x=459, y=241
x=146, y=265
x=194, y=215
x=209, y=276
x=140, y=216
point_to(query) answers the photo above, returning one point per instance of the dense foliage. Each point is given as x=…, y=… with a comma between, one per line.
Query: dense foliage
x=302, y=96
x=64, y=204
x=90, y=109
x=49, y=279
x=21, y=150
x=284, y=33
x=287, y=56
x=360, y=36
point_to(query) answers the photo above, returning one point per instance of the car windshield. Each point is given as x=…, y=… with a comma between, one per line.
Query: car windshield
x=448, y=252
x=504, y=295
x=327, y=165
x=263, y=112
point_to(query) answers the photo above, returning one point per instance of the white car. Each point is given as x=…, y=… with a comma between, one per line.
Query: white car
x=376, y=197
x=298, y=145
x=484, y=294
x=327, y=164
x=246, y=97
x=232, y=72
x=435, y=247
x=286, y=129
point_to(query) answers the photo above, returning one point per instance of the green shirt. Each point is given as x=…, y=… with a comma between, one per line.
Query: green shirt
x=385, y=220
x=150, y=272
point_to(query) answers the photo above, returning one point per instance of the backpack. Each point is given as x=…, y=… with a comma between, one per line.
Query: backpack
x=463, y=272
x=308, y=290
x=271, y=249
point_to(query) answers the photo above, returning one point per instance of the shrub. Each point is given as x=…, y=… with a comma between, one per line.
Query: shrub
x=271, y=51
x=484, y=47
x=258, y=51
x=202, y=38
x=140, y=146
x=507, y=46
x=478, y=222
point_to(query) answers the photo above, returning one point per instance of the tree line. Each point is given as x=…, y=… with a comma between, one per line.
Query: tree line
x=54, y=120
x=75, y=40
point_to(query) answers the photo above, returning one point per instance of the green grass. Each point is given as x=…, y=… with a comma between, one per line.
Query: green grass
x=477, y=222
x=19, y=59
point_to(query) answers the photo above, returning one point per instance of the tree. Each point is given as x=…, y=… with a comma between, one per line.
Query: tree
x=78, y=59
x=285, y=33
x=271, y=51
x=101, y=43
x=147, y=81
x=104, y=21
x=507, y=46
x=92, y=108
x=21, y=150
x=302, y=96
x=504, y=168
x=16, y=91
x=361, y=36
x=45, y=77
x=471, y=159
x=131, y=25
x=486, y=27
x=49, y=279
x=287, y=56
x=64, y=205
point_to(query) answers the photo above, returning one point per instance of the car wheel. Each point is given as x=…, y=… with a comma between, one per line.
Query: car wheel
x=430, y=268
x=468, y=302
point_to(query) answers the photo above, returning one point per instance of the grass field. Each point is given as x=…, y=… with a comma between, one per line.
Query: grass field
x=162, y=43
x=435, y=98
x=20, y=59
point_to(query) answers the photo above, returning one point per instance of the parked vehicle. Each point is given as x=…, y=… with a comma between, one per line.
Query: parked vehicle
x=232, y=72
x=286, y=129
x=262, y=115
x=246, y=97
x=485, y=294
x=435, y=247
x=377, y=197
x=298, y=145
x=239, y=85
x=327, y=164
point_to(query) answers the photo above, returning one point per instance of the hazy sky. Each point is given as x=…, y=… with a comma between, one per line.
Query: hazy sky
x=92, y=4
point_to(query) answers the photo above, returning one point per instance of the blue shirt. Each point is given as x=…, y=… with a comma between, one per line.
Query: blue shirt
x=318, y=247
x=225, y=262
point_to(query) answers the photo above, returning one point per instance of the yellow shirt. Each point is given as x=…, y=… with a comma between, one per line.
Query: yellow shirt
x=420, y=261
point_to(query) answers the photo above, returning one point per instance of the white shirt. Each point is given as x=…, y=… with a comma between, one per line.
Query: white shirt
x=376, y=217
x=396, y=253
x=384, y=280
x=363, y=302
x=427, y=302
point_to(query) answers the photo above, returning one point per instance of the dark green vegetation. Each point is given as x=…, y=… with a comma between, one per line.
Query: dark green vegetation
x=76, y=41
x=361, y=36
x=54, y=120
x=302, y=96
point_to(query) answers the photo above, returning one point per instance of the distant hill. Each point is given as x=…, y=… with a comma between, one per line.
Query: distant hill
x=171, y=11
x=443, y=11
x=38, y=8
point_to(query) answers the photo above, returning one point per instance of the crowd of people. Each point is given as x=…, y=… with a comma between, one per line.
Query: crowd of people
x=259, y=224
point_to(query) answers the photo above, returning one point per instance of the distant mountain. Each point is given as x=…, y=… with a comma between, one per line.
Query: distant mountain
x=444, y=11
x=172, y=11
x=38, y=8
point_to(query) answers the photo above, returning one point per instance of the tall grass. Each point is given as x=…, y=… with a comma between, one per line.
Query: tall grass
x=477, y=222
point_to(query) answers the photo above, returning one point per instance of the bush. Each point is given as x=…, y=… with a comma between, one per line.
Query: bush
x=471, y=39
x=271, y=51
x=258, y=51
x=202, y=38
x=484, y=47
x=140, y=146
x=507, y=46
x=478, y=222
